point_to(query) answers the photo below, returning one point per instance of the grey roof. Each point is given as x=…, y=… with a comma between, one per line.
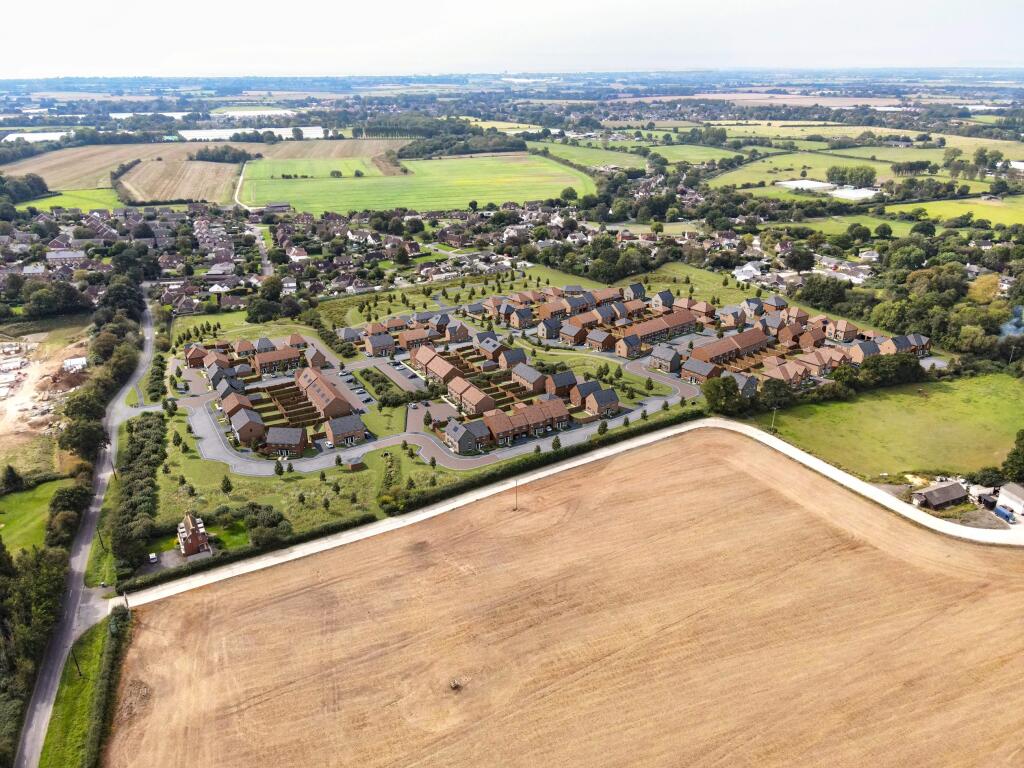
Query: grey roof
x=490, y=345
x=476, y=308
x=349, y=334
x=665, y=297
x=597, y=335
x=381, y=340
x=563, y=378
x=917, y=339
x=551, y=323
x=942, y=493
x=699, y=367
x=513, y=356
x=747, y=385
x=483, y=336
x=343, y=424
x=527, y=372
x=604, y=396
x=245, y=416
x=263, y=344
x=569, y=328
x=284, y=435
x=776, y=302
x=869, y=348
x=477, y=429
x=664, y=352
x=632, y=340
x=901, y=342
x=587, y=387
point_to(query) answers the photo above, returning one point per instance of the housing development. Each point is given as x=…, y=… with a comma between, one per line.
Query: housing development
x=653, y=418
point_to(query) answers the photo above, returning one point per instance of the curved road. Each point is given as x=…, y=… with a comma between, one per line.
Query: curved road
x=83, y=607
x=1006, y=537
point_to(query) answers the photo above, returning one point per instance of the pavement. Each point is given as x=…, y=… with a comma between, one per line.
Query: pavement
x=1006, y=537
x=83, y=607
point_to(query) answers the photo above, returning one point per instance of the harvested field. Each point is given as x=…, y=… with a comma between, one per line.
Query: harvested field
x=90, y=167
x=181, y=180
x=737, y=610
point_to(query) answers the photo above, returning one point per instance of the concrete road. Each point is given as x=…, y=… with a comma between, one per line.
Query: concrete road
x=1009, y=537
x=83, y=607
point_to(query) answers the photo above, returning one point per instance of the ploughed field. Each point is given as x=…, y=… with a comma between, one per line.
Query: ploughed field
x=701, y=601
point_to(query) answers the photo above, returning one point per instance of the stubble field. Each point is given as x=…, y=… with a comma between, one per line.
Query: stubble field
x=736, y=610
x=181, y=180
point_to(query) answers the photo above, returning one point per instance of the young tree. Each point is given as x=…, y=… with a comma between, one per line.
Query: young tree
x=225, y=484
x=602, y=428
x=556, y=444
x=278, y=469
x=12, y=479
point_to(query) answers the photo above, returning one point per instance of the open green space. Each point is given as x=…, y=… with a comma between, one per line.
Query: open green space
x=1008, y=210
x=314, y=167
x=70, y=720
x=592, y=157
x=384, y=421
x=835, y=225
x=673, y=276
x=100, y=567
x=693, y=153
x=812, y=166
x=445, y=183
x=86, y=199
x=892, y=154
x=23, y=515
x=282, y=492
x=234, y=326
x=950, y=426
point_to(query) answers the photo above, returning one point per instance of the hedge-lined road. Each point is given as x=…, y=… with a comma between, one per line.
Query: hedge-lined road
x=83, y=607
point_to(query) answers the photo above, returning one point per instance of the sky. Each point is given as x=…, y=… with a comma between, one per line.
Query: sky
x=335, y=37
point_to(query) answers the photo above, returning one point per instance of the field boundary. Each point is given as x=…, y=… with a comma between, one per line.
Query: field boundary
x=238, y=187
x=1013, y=537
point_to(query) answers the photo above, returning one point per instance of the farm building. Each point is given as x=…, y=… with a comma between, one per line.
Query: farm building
x=940, y=495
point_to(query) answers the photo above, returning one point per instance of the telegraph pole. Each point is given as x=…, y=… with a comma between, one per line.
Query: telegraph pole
x=74, y=658
x=774, y=411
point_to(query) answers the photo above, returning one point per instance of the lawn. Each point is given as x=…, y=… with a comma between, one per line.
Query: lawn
x=582, y=363
x=37, y=454
x=23, y=515
x=70, y=720
x=234, y=326
x=283, y=492
x=86, y=199
x=705, y=284
x=693, y=153
x=1009, y=210
x=385, y=421
x=954, y=426
x=445, y=183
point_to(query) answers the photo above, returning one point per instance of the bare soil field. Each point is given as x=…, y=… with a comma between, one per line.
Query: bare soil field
x=735, y=610
x=182, y=179
x=90, y=167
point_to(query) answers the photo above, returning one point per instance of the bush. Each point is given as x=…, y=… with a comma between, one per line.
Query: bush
x=107, y=679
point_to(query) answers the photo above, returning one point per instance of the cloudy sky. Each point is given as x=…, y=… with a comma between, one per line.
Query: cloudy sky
x=335, y=37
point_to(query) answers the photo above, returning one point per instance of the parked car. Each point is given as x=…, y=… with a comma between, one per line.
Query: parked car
x=153, y=558
x=412, y=406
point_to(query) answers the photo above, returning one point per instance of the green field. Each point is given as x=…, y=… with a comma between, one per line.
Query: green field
x=315, y=167
x=70, y=720
x=955, y=426
x=591, y=157
x=446, y=183
x=892, y=154
x=86, y=199
x=816, y=164
x=234, y=326
x=836, y=225
x=1009, y=210
x=23, y=515
x=692, y=153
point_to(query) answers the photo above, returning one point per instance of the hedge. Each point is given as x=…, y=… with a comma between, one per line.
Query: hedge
x=423, y=498
x=107, y=679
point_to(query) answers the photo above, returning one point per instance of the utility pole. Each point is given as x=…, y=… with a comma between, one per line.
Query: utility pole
x=74, y=658
x=774, y=411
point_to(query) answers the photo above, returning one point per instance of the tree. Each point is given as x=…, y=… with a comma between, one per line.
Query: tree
x=602, y=428
x=1013, y=466
x=278, y=469
x=569, y=194
x=84, y=438
x=799, y=259
x=271, y=288
x=12, y=480
x=225, y=485
x=556, y=444
x=775, y=394
x=723, y=395
x=883, y=231
x=649, y=384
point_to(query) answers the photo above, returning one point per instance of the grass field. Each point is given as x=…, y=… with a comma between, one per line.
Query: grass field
x=789, y=166
x=70, y=720
x=590, y=156
x=503, y=126
x=23, y=515
x=701, y=601
x=955, y=426
x=692, y=153
x=447, y=183
x=86, y=199
x=234, y=326
x=182, y=180
x=892, y=154
x=838, y=224
x=1009, y=210
x=315, y=167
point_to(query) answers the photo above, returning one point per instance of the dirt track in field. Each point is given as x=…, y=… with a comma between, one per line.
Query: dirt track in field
x=182, y=180
x=702, y=601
